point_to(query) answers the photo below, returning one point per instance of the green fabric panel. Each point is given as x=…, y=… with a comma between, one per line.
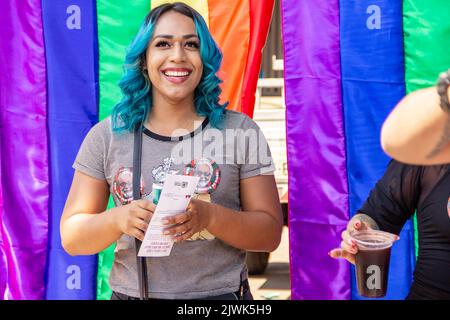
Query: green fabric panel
x=117, y=23
x=426, y=28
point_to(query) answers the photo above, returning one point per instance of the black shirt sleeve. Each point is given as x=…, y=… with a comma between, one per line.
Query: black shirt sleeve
x=394, y=198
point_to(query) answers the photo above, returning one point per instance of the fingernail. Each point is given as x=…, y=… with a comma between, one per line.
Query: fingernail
x=165, y=221
x=166, y=233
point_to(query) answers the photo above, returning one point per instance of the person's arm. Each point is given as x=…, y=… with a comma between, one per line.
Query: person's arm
x=390, y=203
x=86, y=228
x=257, y=227
x=418, y=131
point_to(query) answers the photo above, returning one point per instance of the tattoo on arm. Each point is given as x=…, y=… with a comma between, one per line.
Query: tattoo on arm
x=367, y=220
x=443, y=141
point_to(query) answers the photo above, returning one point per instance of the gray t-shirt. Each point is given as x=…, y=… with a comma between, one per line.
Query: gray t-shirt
x=196, y=268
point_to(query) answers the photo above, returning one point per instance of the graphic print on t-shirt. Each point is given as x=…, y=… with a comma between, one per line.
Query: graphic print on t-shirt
x=209, y=172
x=160, y=172
x=123, y=185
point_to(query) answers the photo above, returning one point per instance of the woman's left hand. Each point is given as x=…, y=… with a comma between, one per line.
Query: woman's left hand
x=197, y=217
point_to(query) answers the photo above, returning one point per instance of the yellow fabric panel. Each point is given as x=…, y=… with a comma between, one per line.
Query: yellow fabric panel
x=200, y=5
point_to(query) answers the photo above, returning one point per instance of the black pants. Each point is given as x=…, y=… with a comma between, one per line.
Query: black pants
x=419, y=291
x=227, y=296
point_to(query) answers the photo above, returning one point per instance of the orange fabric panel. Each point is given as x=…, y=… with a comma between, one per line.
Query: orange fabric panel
x=229, y=23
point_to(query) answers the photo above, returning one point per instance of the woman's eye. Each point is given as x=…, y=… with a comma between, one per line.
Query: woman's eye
x=162, y=44
x=192, y=44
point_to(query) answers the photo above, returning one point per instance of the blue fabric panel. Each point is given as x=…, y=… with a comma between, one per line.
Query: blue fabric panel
x=372, y=66
x=70, y=35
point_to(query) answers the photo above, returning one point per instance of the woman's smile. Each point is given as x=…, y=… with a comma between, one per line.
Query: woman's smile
x=176, y=75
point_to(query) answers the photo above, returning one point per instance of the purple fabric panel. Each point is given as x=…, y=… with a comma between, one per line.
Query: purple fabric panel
x=3, y=268
x=318, y=189
x=24, y=155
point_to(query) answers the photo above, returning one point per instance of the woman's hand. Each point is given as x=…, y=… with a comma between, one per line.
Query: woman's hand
x=133, y=219
x=184, y=225
x=348, y=248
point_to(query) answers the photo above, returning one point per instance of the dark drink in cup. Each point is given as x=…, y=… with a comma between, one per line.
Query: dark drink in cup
x=369, y=283
x=372, y=261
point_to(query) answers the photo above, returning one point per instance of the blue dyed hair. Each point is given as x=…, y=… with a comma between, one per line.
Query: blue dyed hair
x=136, y=89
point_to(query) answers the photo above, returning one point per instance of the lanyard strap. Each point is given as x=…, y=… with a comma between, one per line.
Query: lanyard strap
x=141, y=261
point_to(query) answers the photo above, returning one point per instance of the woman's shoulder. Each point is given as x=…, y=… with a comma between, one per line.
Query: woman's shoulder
x=100, y=130
x=238, y=120
x=103, y=126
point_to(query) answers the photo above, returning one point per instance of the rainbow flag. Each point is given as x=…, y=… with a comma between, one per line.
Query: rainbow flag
x=347, y=64
x=60, y=64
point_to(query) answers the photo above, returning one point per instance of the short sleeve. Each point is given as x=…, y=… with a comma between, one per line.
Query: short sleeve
x=255, y=151
x=394, y=198
x=90, y=159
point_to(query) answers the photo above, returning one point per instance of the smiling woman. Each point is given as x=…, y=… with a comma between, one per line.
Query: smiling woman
x=170, y=84
x=173, y=62
x=180, y=41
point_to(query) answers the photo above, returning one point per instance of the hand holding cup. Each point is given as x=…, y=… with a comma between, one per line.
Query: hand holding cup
x=348, y=248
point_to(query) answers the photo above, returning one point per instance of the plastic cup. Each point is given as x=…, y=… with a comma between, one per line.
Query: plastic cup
x=372, y=261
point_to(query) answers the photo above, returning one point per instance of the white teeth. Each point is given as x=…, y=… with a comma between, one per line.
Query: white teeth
x=176, y=73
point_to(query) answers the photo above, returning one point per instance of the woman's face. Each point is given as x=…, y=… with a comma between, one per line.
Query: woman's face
x=173, y=58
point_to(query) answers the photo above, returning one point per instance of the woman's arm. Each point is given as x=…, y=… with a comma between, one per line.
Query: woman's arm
x=86, y=228
x=257, y=227
x=418, y=131
x=390, y=203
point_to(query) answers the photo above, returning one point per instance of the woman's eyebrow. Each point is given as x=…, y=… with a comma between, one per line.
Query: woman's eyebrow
x=169, y=36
